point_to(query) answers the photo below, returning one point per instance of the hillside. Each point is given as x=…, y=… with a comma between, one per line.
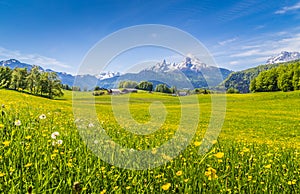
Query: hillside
x=241, y=80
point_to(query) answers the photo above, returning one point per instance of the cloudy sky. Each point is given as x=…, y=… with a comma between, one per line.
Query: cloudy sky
x=58, y=34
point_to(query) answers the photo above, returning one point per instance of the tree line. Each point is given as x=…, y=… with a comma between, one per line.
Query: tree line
x=147, y=86
x=282, y=78
x=35, y=81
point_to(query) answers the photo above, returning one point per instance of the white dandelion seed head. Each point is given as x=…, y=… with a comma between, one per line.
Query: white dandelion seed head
x=96, y=142
x=17, y=122
x=54, y=135
x=42, y=116
x=91, y=125
x=54, y=143
x=131, y=150
x=59, y=142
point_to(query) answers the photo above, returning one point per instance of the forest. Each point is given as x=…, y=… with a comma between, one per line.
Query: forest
x=282, y=78
x=33, y=81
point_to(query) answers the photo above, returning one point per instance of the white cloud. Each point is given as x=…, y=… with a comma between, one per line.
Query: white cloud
x=225, y=42
x=288, y=8
x=34, y=59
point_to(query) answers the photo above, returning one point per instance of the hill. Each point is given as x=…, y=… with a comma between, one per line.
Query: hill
x=241, y=80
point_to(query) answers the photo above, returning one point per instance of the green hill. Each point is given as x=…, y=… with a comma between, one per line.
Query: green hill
x=241, y=80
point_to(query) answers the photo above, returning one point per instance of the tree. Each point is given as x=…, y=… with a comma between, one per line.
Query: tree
x=253, y=85
x=285, y=82
x=18, y=78
x=54, y=85
x=162, y=88
x=296, y=79
x=127, y=84
x=5, y=77
x=145, y=85
x=33, y=80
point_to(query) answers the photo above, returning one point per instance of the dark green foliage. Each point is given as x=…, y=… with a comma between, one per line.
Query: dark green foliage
x=241, y=80
x=34, y=81
x=128, y=84
x=232, y=91
x=162, y=88
x=145, y=85
x=284, y=77
x=5, y=77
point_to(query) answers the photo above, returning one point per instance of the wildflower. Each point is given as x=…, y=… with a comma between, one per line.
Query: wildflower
x=154, y=151
x=186, y=180
x=28, y=165
x=128, y=187
x=6, y=143
x=103, y=191
x=42, y=116
x=2, y=174
x=211, y=173
x=1, y=125
x=91, y=125
x=219, y=155
x=249, y=178
x=54, y=135
x=28, y=137
x=293, y=182
x=246, y=150
x=268, y=166
x=166, y=186
x=179, y=173
x=17, y=122
x=197, y=143
x=59, y=142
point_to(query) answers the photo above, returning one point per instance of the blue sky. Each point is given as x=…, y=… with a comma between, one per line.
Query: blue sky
x=58, y=34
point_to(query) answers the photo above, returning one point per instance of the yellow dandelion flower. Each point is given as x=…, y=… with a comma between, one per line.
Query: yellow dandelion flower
x=294, y=182
x=219, y=155
x=186, y=180
x=28, y=137
x=69, y=164
x=2, y=174
x=6, y=143
x=166, y=186
x=103, y=191
x=211, y=173
x=249, y=178
x=197, y=143
x=153, y=151
x=268, y=166
x=246, y=150
x=128, y=187
x=179, y=173
x=1, y=125
x=28, y=165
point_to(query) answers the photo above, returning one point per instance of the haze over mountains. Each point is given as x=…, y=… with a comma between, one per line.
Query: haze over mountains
x=189, y=73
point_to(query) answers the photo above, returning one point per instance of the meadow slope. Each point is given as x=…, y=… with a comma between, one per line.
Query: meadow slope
x=257, y=150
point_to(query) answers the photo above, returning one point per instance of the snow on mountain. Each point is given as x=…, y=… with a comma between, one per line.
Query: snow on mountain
x=191, y=63
x=107, y=74
x=284, y=56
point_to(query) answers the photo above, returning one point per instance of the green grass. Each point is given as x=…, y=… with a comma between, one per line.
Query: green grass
x=260, y=141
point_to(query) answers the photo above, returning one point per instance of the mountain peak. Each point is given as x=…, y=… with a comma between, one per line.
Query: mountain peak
x=190, y=63
x=284, y=56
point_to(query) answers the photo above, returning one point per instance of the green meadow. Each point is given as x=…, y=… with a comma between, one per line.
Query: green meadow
x=257, y=151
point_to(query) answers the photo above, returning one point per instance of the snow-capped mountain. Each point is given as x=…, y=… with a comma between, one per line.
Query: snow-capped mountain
x=192, y=69
x=190, y=63
x=107, y=74
x=284, y=56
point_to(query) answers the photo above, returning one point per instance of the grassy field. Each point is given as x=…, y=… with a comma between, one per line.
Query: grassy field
x=258, y=150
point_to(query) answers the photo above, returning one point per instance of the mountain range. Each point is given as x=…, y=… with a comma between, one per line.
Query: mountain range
x=187, y=74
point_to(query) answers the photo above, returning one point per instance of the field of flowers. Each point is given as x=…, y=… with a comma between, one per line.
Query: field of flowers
x=258, y=150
